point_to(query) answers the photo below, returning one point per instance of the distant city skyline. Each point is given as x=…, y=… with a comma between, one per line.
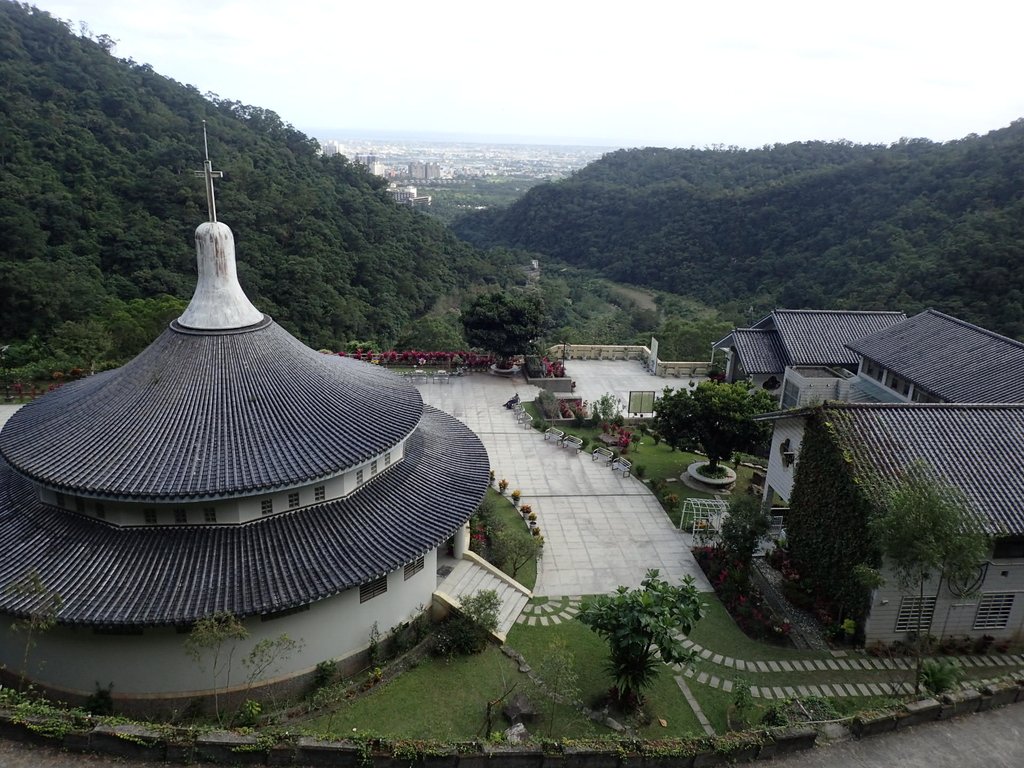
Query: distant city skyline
x=737, y=73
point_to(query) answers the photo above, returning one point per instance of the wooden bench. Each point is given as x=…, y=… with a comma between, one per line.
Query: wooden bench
x=623, y=466
x=602, y=454
x=554, y=434
x=571, y=441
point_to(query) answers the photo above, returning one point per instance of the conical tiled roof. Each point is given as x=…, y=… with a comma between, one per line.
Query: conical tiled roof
x=211, y=413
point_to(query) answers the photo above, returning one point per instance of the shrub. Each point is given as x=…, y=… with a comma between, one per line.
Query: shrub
x=940, y=675
x=466, y=631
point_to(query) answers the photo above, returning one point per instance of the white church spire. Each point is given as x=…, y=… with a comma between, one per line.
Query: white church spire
x=219, y=303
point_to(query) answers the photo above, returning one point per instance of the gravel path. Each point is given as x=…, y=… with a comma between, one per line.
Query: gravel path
x=806, y=632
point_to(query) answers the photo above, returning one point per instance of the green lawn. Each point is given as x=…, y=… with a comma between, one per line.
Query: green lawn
x=664, y=701
x=512, y=519
x=443, y=701
x=718, y=632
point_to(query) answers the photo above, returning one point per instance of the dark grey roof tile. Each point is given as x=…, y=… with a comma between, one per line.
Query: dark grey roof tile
x=175, y=574
x=819, y=337
x=973, y=447
x=211, y=414
x=949, y=358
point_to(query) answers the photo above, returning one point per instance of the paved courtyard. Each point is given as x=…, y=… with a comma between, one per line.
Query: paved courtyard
x=601, y=530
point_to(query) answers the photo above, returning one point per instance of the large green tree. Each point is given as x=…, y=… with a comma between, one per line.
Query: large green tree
x=644, y=628
x=925, y=528
x=504, y=323
x=715, y=418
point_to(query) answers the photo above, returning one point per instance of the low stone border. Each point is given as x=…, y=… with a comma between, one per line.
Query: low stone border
x=140, y=742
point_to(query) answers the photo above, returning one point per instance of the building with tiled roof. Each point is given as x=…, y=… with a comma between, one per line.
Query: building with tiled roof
x=226, y=469
x=798, y=337
x=933, y=357
x=969, y=447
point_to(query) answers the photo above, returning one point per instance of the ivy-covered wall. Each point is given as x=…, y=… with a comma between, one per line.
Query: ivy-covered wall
x=827, y=523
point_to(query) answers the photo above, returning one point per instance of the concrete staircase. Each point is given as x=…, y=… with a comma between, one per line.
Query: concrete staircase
x=473, y=574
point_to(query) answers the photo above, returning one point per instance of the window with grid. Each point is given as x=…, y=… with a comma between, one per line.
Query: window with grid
x=101, y=511
x=411, y=569
x=994, y=611
x=319, y=493
x=293, y=500
x=373, y=588
x=359, y=477
x=60, y=500
x=387, y=459
x=79, y=505
x=915, y=615
x=373, y=467
x=209, y=515
x=180, y=516
x=149, y=515
x=266, y=506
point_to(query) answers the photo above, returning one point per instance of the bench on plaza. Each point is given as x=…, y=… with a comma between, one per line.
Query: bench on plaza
x=554, y=434
x=525, y=420
x=571, y=441
x=602, y=454
x=623, y=466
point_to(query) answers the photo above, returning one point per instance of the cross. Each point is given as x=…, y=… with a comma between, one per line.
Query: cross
x=210, y=175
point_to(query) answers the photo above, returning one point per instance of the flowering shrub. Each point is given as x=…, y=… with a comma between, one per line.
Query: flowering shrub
x=730, y=578
x=415, y=357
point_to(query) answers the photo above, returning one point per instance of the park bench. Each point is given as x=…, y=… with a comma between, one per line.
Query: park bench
x=602, y=454
x=623, y=466
x=525, y=420
x=554, y=434
x=571, y=441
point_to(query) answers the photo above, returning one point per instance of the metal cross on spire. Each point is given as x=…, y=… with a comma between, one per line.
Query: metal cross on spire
x=209, y=175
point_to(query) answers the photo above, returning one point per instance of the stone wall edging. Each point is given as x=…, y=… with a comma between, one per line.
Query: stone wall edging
x=137, y=742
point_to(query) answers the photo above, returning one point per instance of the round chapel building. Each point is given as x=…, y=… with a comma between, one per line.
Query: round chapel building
x=227, y=468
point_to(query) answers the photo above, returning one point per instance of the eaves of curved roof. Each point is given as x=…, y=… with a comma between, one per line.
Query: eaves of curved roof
x=111, y=576
x=206, y=414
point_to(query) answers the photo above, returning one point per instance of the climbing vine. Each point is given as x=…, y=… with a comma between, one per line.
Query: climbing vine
x=827, y=524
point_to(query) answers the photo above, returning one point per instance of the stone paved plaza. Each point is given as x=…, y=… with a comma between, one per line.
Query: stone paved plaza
x=601, y=530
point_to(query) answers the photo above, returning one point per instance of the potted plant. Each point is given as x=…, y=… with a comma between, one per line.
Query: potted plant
x=490, y=478
x=527, y=510
x=535, y=530
x=502, y=486
x=515, y=496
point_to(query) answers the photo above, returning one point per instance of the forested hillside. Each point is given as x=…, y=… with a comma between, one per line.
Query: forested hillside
x=826, y=225
x=98, y=203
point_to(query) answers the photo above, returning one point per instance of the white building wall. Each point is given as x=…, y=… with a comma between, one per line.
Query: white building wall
x=76, y=660
x=954, y=615
x=780, y=476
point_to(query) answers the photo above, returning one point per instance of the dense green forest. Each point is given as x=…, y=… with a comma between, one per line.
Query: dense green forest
x=823, y=225
x=98, y=203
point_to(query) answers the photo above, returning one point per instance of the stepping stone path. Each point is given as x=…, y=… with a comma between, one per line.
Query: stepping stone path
x=713, y=669
x=554, y=611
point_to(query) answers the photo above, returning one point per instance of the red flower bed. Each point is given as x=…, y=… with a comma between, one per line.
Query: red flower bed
x=731, y=580
x=417, y=357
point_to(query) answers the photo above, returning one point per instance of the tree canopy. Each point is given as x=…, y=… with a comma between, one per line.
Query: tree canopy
x=98, y=204
x=716, y=418
x=644, y=627
x=925, y=529
x=808, y=224
x=505, y=323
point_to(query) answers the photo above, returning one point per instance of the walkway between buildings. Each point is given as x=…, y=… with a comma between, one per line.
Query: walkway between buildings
x=601, y=530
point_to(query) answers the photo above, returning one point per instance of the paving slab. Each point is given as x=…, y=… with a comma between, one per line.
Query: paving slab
x=601, y=530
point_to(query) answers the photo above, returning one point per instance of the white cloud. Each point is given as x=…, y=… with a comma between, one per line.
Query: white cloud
x=640, y=72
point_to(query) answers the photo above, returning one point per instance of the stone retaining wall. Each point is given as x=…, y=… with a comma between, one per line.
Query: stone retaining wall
x=182, y=746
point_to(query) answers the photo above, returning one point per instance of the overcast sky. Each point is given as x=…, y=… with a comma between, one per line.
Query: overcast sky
x=636, y=73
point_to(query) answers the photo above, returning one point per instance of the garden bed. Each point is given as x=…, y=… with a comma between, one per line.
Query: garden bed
x=731, y=581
